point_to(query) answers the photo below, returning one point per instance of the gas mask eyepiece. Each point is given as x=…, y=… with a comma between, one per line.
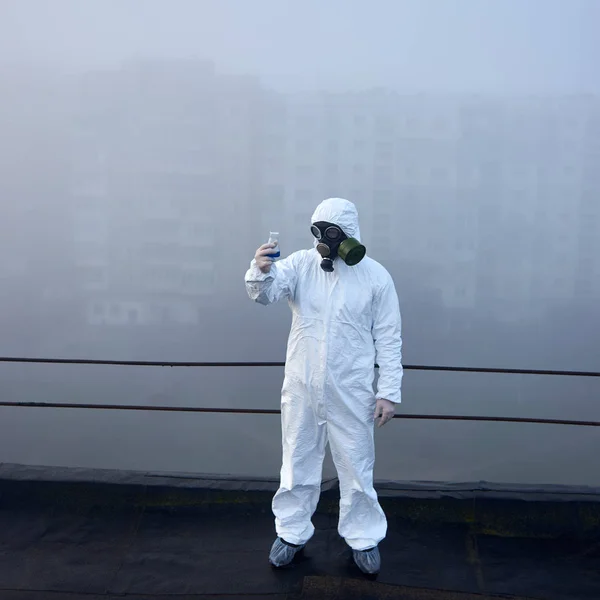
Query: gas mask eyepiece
x=333, y=242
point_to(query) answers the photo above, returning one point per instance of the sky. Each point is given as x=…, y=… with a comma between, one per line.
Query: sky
x=428, y=45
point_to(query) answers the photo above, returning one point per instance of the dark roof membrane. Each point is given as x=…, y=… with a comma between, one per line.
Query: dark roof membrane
x=81, y=533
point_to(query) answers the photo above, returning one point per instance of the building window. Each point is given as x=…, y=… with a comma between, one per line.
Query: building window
x=303, y=146
x=303, y=195
x=382, y=197
x=383, y=241
x=384, y=125
x=411, y=123
x=304, y=122
x=304, y=170
x=584, y=286
x=93, y=274
x=383, y=224
x=439, y=124
x=201, y=230
x=382, y=203
x=162, y=227
x=275, y=140
x=197, y=279
x=439, y=174
x=275, y=194
x=586, y=263
x=384, y=147
x=383, y=174
x=384, y=151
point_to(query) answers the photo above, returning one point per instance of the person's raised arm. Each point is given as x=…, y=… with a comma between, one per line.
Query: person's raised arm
x=268, y=281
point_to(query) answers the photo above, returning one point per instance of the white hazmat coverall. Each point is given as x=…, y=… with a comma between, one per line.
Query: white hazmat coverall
x=343, y=322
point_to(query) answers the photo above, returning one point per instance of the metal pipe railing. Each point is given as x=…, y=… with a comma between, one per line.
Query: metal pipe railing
x=257, y=411
x=269, y=411
x=155, y=363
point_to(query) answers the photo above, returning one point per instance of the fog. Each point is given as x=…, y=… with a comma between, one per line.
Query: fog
x=148, y=147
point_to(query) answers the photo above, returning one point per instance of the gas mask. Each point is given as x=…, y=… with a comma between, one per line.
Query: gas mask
x=333, y=242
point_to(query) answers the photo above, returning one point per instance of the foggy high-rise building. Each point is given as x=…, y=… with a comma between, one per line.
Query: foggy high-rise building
x=163, y=157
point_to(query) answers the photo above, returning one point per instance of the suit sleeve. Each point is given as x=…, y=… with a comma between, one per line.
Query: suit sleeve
x=387, y=337
x=279, y=283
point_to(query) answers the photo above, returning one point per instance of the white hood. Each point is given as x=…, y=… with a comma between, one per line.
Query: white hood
x=340, y=212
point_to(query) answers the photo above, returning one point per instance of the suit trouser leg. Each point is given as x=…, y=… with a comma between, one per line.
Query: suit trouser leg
x=362, y=522
x=304, y=441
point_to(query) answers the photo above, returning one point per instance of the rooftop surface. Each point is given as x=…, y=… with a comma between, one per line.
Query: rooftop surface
x=108, y=535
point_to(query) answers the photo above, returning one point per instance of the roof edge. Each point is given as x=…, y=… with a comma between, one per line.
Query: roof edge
x=11, y=472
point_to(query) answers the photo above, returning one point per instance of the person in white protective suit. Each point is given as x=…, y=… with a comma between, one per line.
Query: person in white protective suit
x=346, y=318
